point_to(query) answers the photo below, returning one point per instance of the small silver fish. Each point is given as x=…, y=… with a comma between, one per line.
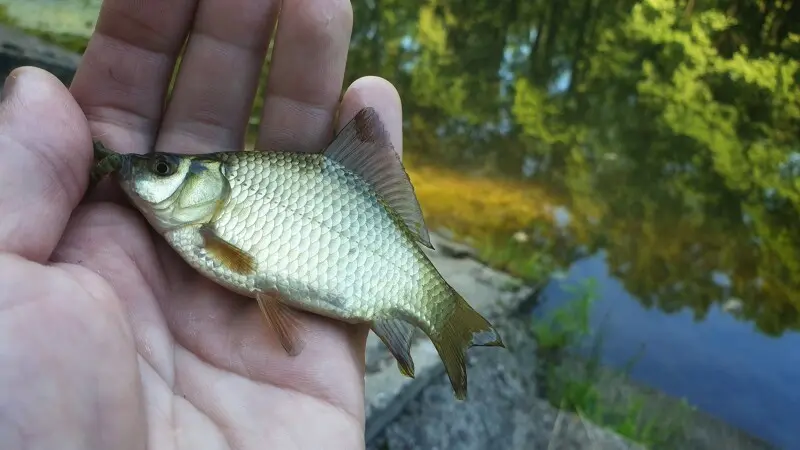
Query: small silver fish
x=337, y=233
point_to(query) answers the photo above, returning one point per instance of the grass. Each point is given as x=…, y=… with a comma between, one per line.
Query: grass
x=475, y=207
x=577, y=383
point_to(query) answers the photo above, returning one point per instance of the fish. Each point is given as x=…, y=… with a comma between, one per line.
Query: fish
x=338, y=233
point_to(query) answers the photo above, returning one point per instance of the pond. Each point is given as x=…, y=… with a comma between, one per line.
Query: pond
x=651, y=144
x=720, y=364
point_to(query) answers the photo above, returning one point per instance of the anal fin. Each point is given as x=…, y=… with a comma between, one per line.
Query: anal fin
x=284, y=321
x=396, y=334
x=228, y=254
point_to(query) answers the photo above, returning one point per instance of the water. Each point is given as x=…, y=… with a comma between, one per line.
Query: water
x=721, y=364
x=674, y=152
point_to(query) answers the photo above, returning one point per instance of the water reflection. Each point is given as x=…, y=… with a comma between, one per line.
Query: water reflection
x=664, y=127
x=720, y=365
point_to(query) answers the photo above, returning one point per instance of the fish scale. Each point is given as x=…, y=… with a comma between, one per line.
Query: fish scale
x=337, y=233
x=320, y=209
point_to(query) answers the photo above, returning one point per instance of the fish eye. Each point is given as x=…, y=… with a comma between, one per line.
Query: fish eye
x=162, y=166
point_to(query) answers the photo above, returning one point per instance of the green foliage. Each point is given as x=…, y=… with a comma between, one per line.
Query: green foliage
x=675, y=142
x=515, y=258
x=746, y=150
x=568, y=324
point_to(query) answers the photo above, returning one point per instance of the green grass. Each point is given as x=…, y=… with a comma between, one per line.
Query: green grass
x=577, y=383
x=514, y=258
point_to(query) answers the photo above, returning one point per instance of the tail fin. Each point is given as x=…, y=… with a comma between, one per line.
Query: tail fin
x=464, y=328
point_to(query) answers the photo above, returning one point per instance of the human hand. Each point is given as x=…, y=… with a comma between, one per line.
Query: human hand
x=107, y=338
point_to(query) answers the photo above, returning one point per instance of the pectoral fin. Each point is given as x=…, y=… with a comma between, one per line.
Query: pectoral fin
x=284, y=321
x=228, y=254
x=396, y=335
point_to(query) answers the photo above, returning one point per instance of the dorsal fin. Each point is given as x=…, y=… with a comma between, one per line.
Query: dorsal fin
x=363, y=147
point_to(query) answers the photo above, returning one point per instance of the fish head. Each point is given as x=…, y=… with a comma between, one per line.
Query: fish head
x=173, y=190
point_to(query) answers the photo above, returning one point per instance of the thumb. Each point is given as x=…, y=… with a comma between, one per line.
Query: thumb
x=45, y=157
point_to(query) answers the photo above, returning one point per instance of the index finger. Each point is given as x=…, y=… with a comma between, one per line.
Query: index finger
x=126, y=69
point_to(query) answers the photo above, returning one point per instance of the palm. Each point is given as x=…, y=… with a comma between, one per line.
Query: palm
x=143, y=350
x=206, y=362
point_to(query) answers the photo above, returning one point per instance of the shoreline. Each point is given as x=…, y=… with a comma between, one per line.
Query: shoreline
x=696, y=429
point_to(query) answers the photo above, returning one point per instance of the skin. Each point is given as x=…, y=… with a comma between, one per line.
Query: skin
x=107, y=338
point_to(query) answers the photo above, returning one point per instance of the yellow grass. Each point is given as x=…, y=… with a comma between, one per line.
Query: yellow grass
x=476, y=207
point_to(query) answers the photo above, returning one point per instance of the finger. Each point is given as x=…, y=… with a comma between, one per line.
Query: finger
x=126, y=69
x=213, y=95
x=46, y=149
x=305, y=80
x=381, y=95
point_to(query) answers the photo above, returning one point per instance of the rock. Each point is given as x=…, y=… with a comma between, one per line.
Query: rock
x=733, y=305
x=445, y=233
x=448, y=247
x=502, y=409
x=19, y=49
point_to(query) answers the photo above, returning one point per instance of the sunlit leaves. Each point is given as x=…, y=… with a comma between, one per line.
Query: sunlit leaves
x=539, y=117
x=428, y=86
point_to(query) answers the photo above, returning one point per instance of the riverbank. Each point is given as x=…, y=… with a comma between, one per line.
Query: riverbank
x=502, y=411
x=570, y=375
x=691, y=429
